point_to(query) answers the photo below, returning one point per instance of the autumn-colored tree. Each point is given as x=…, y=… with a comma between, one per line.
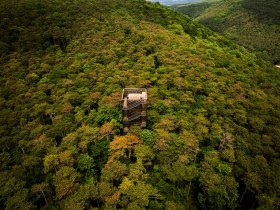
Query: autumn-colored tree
x=107, y=129
x=122, y=144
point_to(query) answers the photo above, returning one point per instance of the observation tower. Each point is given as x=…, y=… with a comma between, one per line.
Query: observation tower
x=134, y=108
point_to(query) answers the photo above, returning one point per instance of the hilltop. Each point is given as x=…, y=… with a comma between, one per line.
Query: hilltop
x=253, y=24
x=212, y=140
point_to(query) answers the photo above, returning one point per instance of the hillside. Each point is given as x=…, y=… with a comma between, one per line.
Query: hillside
x=253, y=24
x=174, y=2
x=212, y=140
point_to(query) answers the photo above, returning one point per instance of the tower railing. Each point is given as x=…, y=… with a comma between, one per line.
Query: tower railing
x=133, y=104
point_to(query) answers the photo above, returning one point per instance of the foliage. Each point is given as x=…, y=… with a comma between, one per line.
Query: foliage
x=253, y=24
x=212, y=139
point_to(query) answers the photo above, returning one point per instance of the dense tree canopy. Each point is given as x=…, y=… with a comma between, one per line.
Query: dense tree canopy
x=255, y=24
x=212, y=136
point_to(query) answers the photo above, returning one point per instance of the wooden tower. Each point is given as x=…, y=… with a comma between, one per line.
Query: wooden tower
x=134, y=107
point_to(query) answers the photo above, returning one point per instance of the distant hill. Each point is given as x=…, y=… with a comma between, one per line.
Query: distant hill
x=253, y=24
x=193, y=10
x=173, y=2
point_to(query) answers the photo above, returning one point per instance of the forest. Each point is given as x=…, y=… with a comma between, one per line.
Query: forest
x=254, y=24
x=212, y=139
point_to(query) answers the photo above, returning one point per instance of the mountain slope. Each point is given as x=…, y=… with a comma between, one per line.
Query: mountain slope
x=253, y=24
x=174, y=2
x=213, y=117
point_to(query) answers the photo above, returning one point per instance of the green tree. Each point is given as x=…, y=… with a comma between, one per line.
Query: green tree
x=219, y=187
x=66, y=182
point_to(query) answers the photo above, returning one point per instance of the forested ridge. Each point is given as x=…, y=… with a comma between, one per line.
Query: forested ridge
x=212, y=140
x=255, y=24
